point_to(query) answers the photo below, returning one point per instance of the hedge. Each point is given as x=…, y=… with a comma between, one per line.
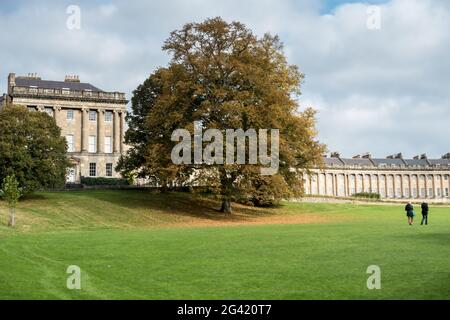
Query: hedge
x=367, y=195
x=103, y=181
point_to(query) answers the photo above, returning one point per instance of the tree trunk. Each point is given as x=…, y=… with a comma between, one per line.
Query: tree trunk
x=12, y=217
x=226, y=206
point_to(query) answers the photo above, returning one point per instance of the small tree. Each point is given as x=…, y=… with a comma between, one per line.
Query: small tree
x=11, y=192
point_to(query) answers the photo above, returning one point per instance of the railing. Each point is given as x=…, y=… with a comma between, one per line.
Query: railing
x=87, y=94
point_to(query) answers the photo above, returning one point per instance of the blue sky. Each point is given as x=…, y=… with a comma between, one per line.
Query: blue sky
x=383, y=91
x=328, y=6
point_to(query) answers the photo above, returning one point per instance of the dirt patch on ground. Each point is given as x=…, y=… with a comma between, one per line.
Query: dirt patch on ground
x=238, y=219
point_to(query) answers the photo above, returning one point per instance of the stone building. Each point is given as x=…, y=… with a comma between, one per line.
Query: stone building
x=92, y=120
x=393, y=177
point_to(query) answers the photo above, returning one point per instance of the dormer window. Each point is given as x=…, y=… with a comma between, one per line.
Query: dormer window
x=33, y=89
x=65, y=91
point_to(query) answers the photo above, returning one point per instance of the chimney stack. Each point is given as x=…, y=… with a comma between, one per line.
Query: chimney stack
x=423, y=156
x=11, y=82
x=335, y=155
x=72, y=78
x=366, y=155
x=446, y=156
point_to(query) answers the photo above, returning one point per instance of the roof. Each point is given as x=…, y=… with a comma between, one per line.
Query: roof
x=332, y=162
x=48, y=84
x=416, y=162
x=363, y=162
x=388, y=162
x=442, y=162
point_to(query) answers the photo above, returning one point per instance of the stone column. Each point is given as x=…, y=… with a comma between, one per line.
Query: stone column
x=434, y=185
x=386, y=189
x=116, y=132
x=326, y=184
x=394, y=185
x=56, y=111
x=410, y=187
x=318, y=181
x=347, y=180
x=426, y=185
x=378, y=184
x=122, y=130
x=442, y=186
x=336, y=186
x=100, y=131
x=84, y=130
x=402, y=186
x=418, y=185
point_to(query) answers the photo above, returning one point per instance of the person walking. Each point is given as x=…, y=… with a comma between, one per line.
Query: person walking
x=410, y=213
x=425, y=211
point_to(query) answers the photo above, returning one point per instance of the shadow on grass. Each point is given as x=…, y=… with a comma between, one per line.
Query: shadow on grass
x=178, y=203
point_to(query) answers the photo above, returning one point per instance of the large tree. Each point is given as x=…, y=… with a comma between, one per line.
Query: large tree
x=225, y=77
x=31, y=149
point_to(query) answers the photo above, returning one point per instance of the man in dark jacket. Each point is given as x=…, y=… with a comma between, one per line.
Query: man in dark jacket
x=425, y=210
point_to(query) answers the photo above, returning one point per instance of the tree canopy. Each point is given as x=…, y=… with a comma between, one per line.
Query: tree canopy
x=224, y=77
x=31, y=149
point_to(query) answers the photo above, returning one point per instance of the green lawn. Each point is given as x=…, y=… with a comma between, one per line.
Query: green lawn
x=141, y=245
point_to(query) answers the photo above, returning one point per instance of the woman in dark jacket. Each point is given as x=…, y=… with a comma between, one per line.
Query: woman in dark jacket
x=410, y=213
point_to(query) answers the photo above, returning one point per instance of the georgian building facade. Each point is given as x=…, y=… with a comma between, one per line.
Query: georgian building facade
x=393, y=178
x=91, y=120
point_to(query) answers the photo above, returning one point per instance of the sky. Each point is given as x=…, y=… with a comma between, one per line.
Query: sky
x=380, y=83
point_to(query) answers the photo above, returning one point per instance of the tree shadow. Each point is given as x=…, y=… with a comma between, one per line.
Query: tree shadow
x=179, y=203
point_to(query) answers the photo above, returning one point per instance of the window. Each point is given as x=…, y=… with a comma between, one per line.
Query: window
x=446, y=192
x=108, y=145
x=92, y=169
x=422, y=192
x=70, y=115
x=92, y=144
x=92, y=115
x=438, y=192
x=446, y=177
x=430, y=192
x=108, y=116
x=31, y=108
x=49, y=111
x=109, y=169
x=70, y=143
x=65, y=91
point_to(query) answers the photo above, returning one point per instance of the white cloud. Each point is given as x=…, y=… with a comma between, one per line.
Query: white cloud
x=377, y=90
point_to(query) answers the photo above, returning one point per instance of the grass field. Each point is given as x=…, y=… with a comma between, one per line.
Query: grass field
x=141, y=245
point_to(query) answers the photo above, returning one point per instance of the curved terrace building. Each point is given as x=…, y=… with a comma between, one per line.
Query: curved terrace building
x=393, y=177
